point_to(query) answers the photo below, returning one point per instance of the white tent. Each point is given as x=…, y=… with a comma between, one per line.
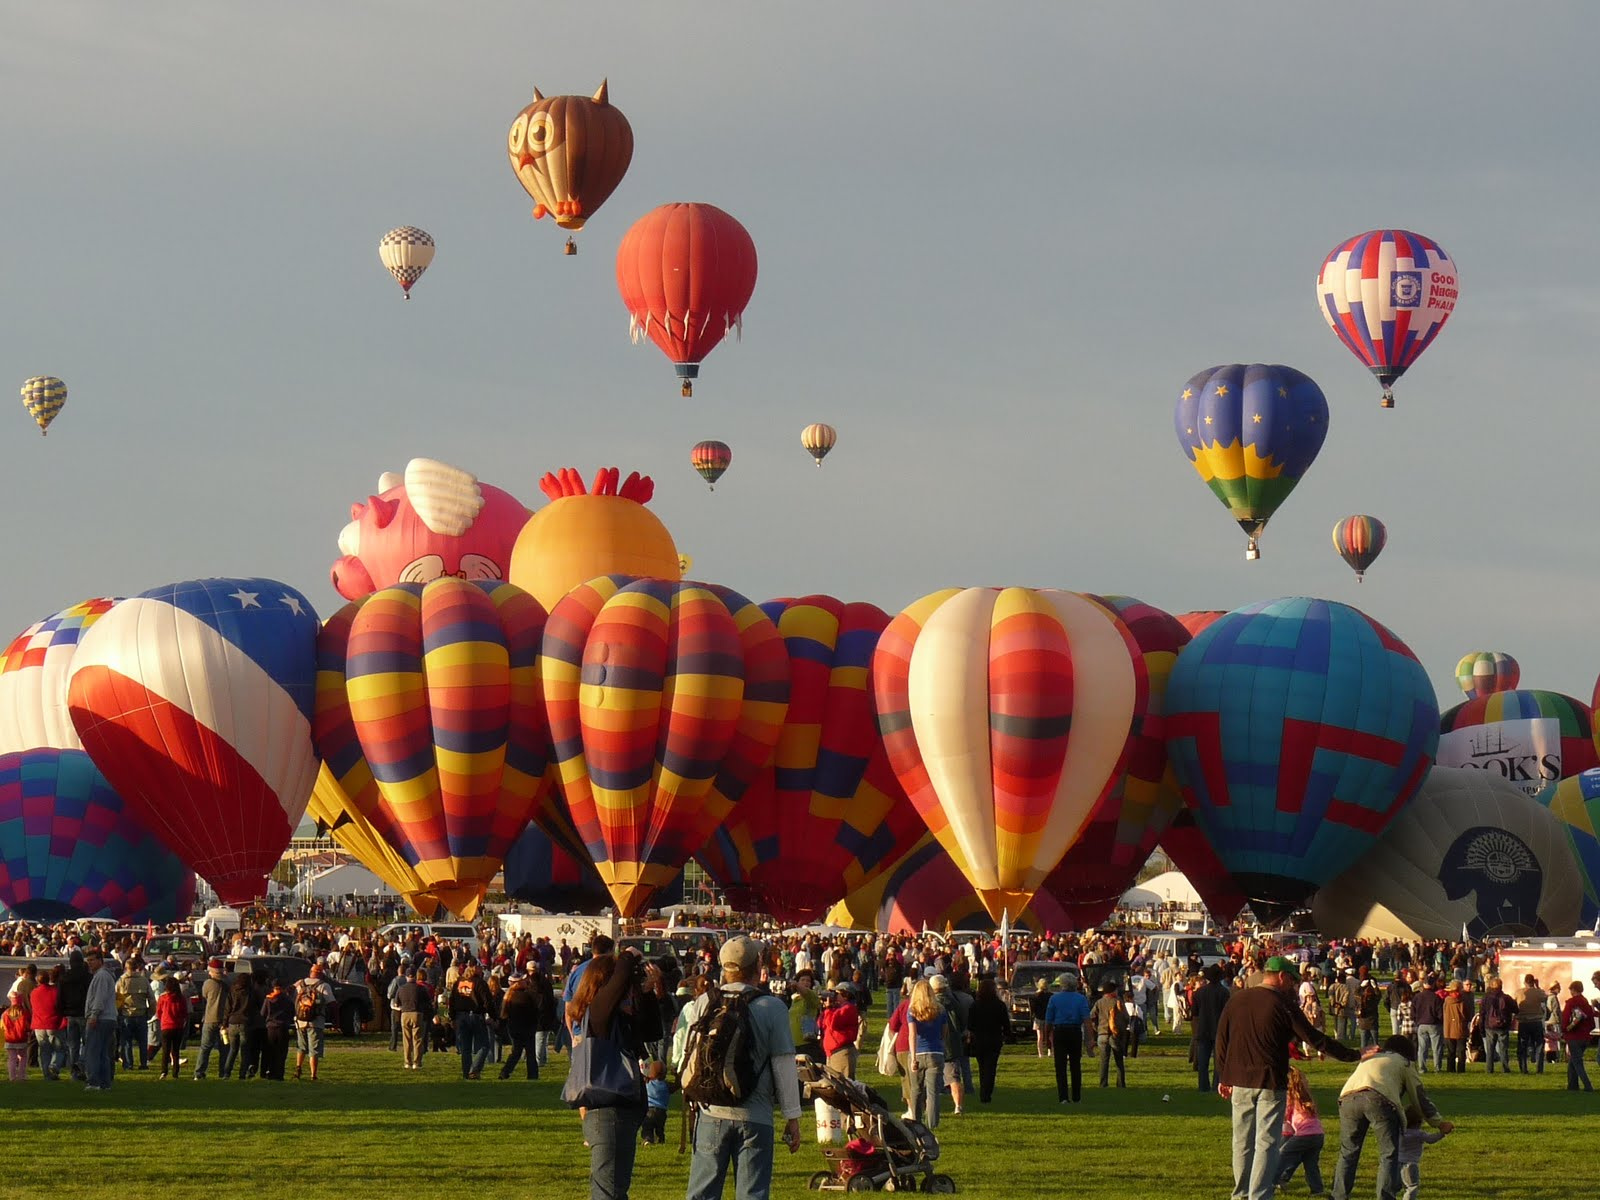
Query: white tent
x=1141, y=897
x=348, y=879
x=1171, y=887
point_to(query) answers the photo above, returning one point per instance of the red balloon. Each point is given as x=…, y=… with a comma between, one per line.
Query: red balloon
x=686, y=271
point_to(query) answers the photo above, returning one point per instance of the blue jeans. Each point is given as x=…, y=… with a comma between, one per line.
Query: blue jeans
x=232, y=1051
x=1302, y=1151
x=613, y=1136
x=1202, y=1060
x=472, y=1043
x=1530, y=1045
x=927, y=1081
x=1257, y=1141
x=210, y=1039
x=747, y=1145
x=133, y=1032
x=1359, y=1112
x=1430, y=1047
x=51, y=1055
x=72, y=1044
x=1576, y=1074
x=1497, y=1049
x=541, y=1047
x=99, y=1044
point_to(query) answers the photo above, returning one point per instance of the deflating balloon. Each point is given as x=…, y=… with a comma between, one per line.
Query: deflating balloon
x=405, y=253
x=1532, y=738
x=1471, y=853
x=195, y=699
x=1251, y=433
x=1007, y=715
x=1359, y=540
x=1298, y=729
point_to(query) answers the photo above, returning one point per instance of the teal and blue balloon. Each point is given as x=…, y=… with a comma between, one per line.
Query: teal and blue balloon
x=1298, y=729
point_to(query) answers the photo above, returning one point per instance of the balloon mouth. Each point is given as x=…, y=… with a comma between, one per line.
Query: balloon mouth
x=573, y=223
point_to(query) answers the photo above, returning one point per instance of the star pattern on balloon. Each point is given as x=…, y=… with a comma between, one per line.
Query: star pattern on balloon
x=294, y=604
x=246, y=599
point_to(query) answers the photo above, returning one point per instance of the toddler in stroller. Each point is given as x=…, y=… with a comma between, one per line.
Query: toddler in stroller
x=882, y=1145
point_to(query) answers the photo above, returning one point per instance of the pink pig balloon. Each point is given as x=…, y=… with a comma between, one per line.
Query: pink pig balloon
x=436, y=520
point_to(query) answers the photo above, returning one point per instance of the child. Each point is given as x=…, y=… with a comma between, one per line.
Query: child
x=1411, y=1143
x=656, y=1093
x=15, y=1027
x=1303, y=1134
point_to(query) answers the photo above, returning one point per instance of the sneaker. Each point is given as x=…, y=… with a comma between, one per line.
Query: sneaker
x=93, y=1087
x=908, y=1116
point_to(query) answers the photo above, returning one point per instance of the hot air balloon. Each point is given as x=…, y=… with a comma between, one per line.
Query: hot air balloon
x=1470, y=852
x=1484, y=672
x=1192, y=853
x=442, y=681
x=569, y=153
x=405, y=253
x=1576, y=804
x=711, y=460
x=1533, y=738
x=1297, y=729
x=1104, y=860
x=337, y=816
x=43, y=396
x=686, y=272
x=818, y=440
x=828, y=814
x=68, y=846
x=1251, y=433
x=665, y=700
x=586, y=532
x=1008, y=715
x=1194, y=622
x=1359, y=540
x=195, y=699
x=1387, y=293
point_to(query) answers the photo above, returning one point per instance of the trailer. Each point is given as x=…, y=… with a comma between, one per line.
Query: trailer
x=1549, y=960
x=576, y=930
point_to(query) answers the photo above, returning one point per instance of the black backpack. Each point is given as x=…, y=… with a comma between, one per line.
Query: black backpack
x=720, y=1064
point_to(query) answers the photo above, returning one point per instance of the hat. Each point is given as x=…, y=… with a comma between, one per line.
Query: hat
x=845, y=989
x=741, y=952
x=938, y=982
x=1109, y=986
x=1281, y=965
x=215, y=964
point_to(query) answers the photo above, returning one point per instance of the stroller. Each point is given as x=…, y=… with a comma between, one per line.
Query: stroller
x=884, y=1152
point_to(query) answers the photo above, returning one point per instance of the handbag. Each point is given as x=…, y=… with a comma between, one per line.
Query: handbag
x=601, y=1074
x=888, y=1061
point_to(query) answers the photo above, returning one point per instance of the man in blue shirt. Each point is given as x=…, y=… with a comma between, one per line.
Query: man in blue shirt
x=1065, y=1014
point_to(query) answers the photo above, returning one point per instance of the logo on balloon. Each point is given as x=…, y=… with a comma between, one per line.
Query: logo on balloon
x=1526, y=751
x=1500, y=868
x=1405, y=289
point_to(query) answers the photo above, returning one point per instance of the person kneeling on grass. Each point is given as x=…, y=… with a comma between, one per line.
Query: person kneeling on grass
x=1379, y=1094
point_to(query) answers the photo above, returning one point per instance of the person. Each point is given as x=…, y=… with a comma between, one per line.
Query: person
x=1457, y=1020
x=1043, y=1033
x=926, y=1021
x=277, y=1016
x=17, y=1032
x=213, y=996
x=136, y=1000
x=743, y=1135
x=599, y=1010
x=236, y=1008
x=1552, y=1023
x=1065, y=1014
x=392, y=994
x=1303, y=1135
x=414, y=1009
x=840, y=1024
x=1577, y=1027
x=44, y=1004
x=99, y=1024
x=1427, y=1010
x=1367, y=1006
x=470, y=1008
x=73, y=980
x=1253, y=1037
x=519, y=1009
x=957, y=1063
x=1205, y=1011
x=312, y=995
x=805, y=1014
x=1108, y=1028
x=900, y=1024
x=1381, y=1091
x=1412, y=1142
x=1530, y=1026
x=172, y=1013
x=1498, y=1012
x=657, y=1095
x=988, y=1026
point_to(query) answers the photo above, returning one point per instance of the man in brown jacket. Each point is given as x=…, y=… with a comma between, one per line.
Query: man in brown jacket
x=1253, y=1039
x=1530, y=1025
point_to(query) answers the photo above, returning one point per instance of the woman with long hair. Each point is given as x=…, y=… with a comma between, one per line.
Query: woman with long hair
x=596, y=1009
x=926, y=1022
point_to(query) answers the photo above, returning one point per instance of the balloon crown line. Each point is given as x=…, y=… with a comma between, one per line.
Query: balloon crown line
x=567, y=482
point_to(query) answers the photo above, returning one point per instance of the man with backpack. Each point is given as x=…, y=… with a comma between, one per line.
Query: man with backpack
x=738, y=1061
x=312, y=995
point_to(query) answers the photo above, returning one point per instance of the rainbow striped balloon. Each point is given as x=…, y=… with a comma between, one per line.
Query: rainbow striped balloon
x=1485, y=672
x=1008, y=716
x=665, y=699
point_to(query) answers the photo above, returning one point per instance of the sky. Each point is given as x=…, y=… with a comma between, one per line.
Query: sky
x=994, y=243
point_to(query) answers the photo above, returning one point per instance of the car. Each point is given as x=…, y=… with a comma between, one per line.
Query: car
x=1024, y=982
x=442, y=931
x=187, y=949
x=351, y=1007
x=1181, y=947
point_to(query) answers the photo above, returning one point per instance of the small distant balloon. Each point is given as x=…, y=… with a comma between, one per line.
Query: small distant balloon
x=711, y=459
x=405, y=253
x=43, y=396
x=1359, y=540
x=1485, y=672
x=818, y=440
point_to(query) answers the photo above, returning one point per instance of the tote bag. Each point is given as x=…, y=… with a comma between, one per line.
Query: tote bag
x=601, y=1074
x=888, y=1063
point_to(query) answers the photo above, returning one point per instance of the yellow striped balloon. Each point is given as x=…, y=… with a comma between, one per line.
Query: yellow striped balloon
x=818, y=440
x=44, y=396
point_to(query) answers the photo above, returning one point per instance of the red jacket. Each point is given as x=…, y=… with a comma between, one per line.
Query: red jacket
x=902, y=1028
x=841, y=1024
x=14, y=1025
x=46, y=1002
x=172, y=1012
x=1577, y=1019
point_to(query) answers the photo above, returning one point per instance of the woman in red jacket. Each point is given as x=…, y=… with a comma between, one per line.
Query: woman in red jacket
x=172, y=1014
x=45, y=1000
x=1577, y=1027
x=841, y=1028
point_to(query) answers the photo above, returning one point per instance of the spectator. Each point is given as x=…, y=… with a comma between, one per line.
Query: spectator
x=99, y=1024
x=1108, y=1028
x=1303, y=1135
x=1205, y=1011
x=1530, y=1026
x=840, y=1024
x=1065, y=1014
x=136, y=1000
x=470, y=1007
x=1427, y=1010
x=957, y=1003
x=988, y=1026
x=520, y=1011
x=74, y=983
x=1498, y=1013
x=1577, y=1027
x=16, y=1031
x=1457, y=1021
x=45, y=1002
x=1379, y=1094
x=172, y=1013
x=927, y=1019
x=805, y=1015
x=237, y=1006
x=213, y=997
x=312, y=995
x=277, y=1016
x=1043, y=1031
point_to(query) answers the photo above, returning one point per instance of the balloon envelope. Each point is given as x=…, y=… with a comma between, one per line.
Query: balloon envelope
x=1576, y=804
x=569, y=153
x=1533, y=738
x=1484, y=672
x=1470, y=852
x=1297, y=728
x=405, y=253
x=1359, y=540
x=44, y=396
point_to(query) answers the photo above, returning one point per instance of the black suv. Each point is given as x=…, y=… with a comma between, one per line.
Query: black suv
x=352, y=1002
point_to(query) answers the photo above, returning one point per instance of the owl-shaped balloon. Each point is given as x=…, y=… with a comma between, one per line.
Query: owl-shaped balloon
x=570, y=152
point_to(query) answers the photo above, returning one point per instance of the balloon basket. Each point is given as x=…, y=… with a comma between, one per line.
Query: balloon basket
x=1252, y=551
x=570, y=248
x=687, y=389
x=1388, y=399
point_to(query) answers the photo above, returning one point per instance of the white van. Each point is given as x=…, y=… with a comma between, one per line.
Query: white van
x=1180, y=946
x=218, y=924
x=442, y=931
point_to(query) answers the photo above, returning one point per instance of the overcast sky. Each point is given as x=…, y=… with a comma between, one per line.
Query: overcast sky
x=994, y=242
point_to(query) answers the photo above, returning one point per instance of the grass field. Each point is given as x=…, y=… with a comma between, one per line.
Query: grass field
x=368, y=1125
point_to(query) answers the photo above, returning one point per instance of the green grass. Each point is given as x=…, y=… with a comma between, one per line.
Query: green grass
x=370, y=1125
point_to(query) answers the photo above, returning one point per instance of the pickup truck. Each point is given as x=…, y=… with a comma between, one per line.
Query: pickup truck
x=352, y=1002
